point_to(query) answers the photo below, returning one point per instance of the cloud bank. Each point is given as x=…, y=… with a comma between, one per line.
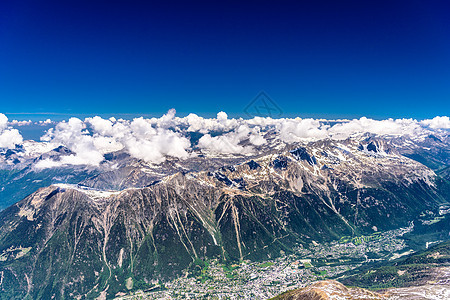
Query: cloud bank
x=155, y=139
x=9, y=137
x=92, y=138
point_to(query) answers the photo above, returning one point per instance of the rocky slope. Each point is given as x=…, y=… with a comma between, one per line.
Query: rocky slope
x=67, y=241
x=75, y=241
x=423, y=275
x=330, y=289
x=430, y=267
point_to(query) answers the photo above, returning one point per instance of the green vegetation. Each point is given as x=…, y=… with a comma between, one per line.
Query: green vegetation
x=149, y=235
x=230, y=270
x=409, y=270
x=199, y=270
x=358, y=240
x=266, y=264
x=435, y=220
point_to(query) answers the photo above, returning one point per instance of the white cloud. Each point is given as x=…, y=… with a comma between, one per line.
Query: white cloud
x=147, y=139
x=231, y=142
x=73, y=135
x=222, y=117
x=293, y=130
x=3, y=121
x=263, y=122
x=438, y=123
x=48, y=121
x=383, y=127
x=21, y=123
x=154, y=147
x=101, y=126
x=167, y=120
x=226, y=144
x=195, y=123
x=221, y=123
x=154, y=139
x=256, y=137
x=9, y=138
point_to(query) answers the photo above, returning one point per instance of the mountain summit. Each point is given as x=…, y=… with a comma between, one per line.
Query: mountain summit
x=70, y=240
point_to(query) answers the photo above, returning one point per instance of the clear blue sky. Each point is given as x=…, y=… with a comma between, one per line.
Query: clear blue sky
x=314, y=58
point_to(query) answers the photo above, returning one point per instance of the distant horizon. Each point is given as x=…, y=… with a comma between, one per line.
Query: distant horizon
x=58, y=117
x=313, y=59
x=228, y=149
x=35, y=129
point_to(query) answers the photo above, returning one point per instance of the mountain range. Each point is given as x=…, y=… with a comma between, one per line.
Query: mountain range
x=84, y=231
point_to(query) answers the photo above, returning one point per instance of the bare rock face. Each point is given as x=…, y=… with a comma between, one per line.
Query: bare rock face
x=68, y=241
x=330, y=289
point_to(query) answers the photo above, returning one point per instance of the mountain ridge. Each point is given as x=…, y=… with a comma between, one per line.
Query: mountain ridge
x=82, y=241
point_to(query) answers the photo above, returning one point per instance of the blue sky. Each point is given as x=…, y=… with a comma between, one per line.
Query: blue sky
x=314, y=58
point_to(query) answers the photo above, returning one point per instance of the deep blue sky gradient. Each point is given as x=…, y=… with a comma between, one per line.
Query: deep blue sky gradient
x=314, y=58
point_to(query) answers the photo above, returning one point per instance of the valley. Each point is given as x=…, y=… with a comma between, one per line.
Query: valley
x=214, y=226
x=263, y=280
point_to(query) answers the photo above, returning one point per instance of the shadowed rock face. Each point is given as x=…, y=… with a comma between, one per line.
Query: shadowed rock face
x=302, y=154
x=65, y=241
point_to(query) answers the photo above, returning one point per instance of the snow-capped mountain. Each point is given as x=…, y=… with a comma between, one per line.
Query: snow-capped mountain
x=113, y=205
x=148, y=221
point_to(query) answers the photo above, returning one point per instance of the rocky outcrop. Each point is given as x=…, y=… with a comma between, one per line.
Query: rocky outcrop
x=330, y=289
x=68, y=241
